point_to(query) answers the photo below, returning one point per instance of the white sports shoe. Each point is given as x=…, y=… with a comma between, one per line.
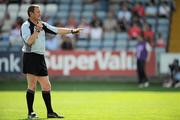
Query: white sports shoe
x=177, y=85
x=141, y=85
x=32, y=116
x=146, y=84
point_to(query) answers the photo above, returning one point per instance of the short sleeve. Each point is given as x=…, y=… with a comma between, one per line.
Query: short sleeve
x=49, y=28
x=25, y=32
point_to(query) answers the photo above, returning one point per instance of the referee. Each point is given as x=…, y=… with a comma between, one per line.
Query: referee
x=34, y=67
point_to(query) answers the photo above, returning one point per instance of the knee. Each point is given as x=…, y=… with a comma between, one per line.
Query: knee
x=32, y=86
x=47, y=87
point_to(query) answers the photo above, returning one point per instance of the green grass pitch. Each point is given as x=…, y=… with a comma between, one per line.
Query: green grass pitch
x=94, y=101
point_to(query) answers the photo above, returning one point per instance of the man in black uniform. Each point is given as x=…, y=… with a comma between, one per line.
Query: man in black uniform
x=34, y=67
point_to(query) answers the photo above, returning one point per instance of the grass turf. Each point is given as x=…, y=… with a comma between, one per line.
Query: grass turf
x=94, y=100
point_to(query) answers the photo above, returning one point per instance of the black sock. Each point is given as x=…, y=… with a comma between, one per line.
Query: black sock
x=47, y=99
x=30, y=100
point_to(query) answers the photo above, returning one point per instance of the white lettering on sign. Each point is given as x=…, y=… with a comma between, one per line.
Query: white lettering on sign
x=10, y=64
x=99, y=60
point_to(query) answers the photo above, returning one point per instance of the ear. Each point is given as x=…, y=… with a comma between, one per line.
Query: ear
x=31, y=13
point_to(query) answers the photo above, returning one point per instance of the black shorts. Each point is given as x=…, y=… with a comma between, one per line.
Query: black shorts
x=34, y=64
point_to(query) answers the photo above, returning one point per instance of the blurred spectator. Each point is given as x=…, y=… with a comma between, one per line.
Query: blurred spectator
x=148, y=33
x=138, y=9
x=53, y=43
x=67, y=43
x=151, y=9
x=171, y=3
x=85, y=33
x=138, y=20
x=164, y=9
x=124, y=13
x=58, y=23
x=95, y=20
x=48, y=19
x=124, y=17
x=174, y=75
x=160, y=42
x=7, y=23
x=96, y=30
x=15, y=37
x=123, y=25
x=110, y=24
x=134, y=31
x=71, y=23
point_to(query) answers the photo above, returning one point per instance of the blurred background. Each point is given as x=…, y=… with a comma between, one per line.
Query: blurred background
x=106, y=45
x=93, y=74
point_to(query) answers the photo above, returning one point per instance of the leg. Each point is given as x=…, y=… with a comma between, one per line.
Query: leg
x=31, y=80
x=145, y=79
x=46, y=88
x=44, y=82
x=139, y=72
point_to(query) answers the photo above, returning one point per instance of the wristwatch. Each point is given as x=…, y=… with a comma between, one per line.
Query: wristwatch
x=74, y=31
x=37, y=30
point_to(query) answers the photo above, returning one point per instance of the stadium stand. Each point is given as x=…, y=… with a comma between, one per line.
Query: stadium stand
x=140, y=12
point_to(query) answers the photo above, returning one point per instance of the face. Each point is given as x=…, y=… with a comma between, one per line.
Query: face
x=36, y=14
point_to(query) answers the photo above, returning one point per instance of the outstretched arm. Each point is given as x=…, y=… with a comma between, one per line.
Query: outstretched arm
x=63, y=31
